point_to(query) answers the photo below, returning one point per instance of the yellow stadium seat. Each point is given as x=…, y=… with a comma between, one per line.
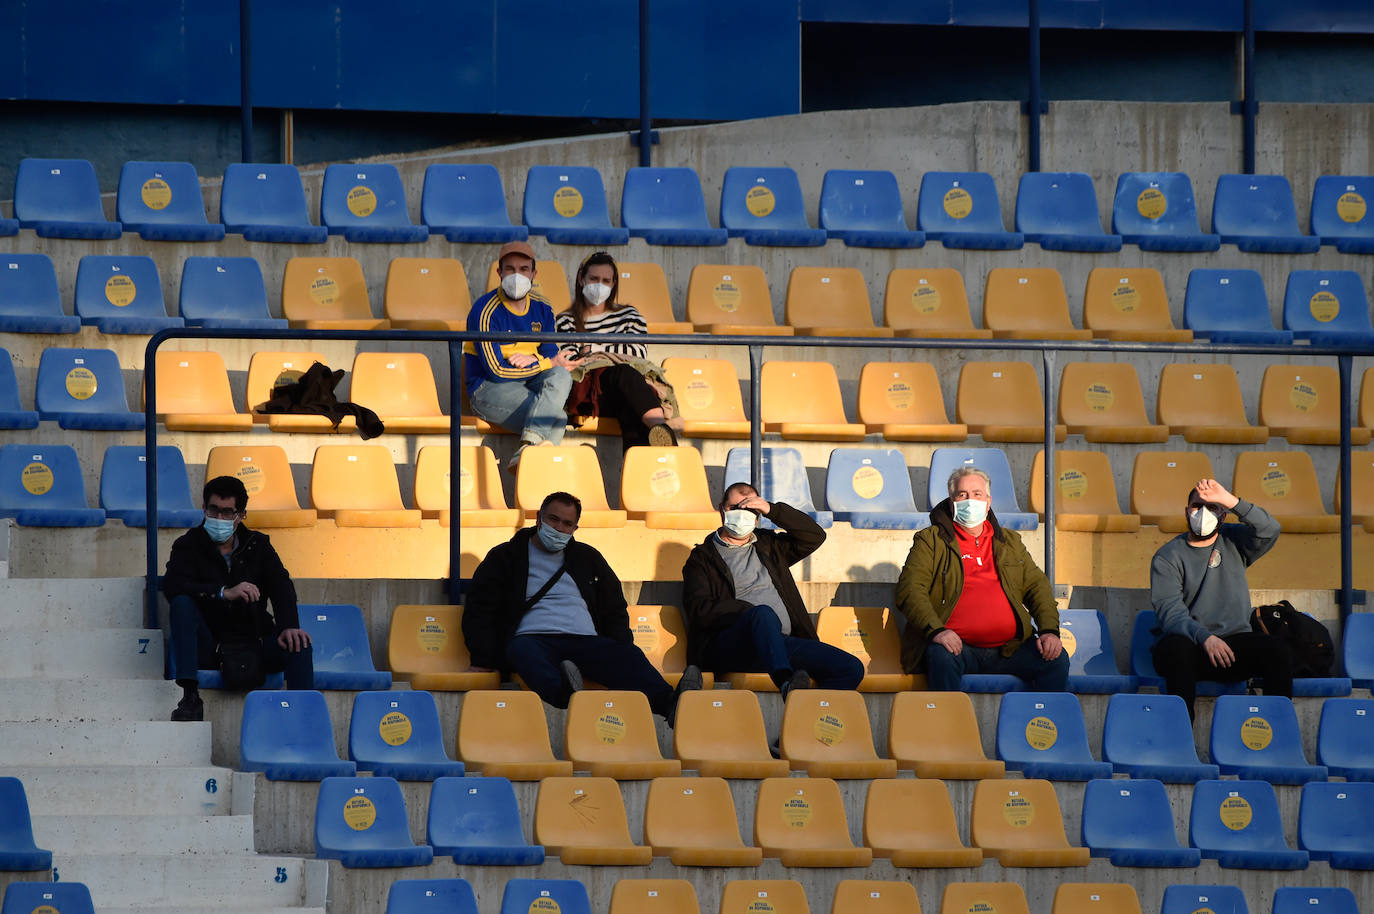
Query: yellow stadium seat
x=327, y=293
x=752, y=896
x=425, y=647
x=1001, y=401
x=504, y=733
x=801, y=401
x=565, y=468
x=267, y=370
x=1203, y=404
x=399, y=387
x=193, y=393
x=427, y=293
x=930, y=303
x=903, y=401
x=654, y=896
x=612, y=734
x=708, y=397
x=935, y=734
x=911, y=821
x=266, y=474
x=830, y=301
x=871, y=634
x=801, y=821
x=1361, y=491
x=1019, y=822
x=1160, y=483
x=1028, y=303
x=870, y=896
x=1102, y=401
x=692, y=822
x=666, y=488
x=660, y=633
x=1084, y=494
x=356, y=485
x=645, y=286
x=483, y=503
x=1367, y=399
x=720, y=733
x=826, y=733
x=731, y=300
x=550, y=283
x=1303, y=404
x=989, y=897
x=1284, y=483
x=1130, y=305
x=583, y=821
x=1095, y=898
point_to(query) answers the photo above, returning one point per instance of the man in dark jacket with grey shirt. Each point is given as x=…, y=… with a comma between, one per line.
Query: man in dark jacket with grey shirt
x=1202, y=598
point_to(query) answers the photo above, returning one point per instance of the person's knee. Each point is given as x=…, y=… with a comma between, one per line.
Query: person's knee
x=764, y=618
x=851, y=670
x=1056, y=672
x=555, y=379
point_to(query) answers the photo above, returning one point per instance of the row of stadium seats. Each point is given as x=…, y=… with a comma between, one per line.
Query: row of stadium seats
x=567, y=204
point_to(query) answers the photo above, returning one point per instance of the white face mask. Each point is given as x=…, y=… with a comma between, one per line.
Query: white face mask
x=596, y=293
x=1202, y=522
x=553, y=540
x=515, y=285
x=971, y=512
x=740, y=522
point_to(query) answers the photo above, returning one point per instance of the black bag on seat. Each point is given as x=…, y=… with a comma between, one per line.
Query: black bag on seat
x=1307, y=639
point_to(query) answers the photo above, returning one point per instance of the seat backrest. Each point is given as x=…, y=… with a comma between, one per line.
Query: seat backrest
x=1235, y=815
x=1044, y=726
x=1280, y=482
x=503, y=724
x=354, y=476
x=427, y=639
x=565, y=468
x=830, y=724
x=1137, y=811
x=664, y=479
x=550, y=283
x=1015, y=813
x=1119, y=298
x=1084, y=483
x=79, y=380
x=545, y=896
x=801, y=392
x=360, y=813
x=338, y=637
x=662, y=198
x=656, y=896
x=286, y=726
x=1335, y=817
x=190, y=381
x=120, y=286
x=40, y=476
x=28, y=285
x=1199, y=394
x=999, y=393
x=479, y=481
x=57, y=190
x=1255, y=730
x=394, y=725
x=222, y=288
x=463, y=194
x=706, y=389
x=16, y=832
x=609, y=726
x=1154, y=203
x=1290, y=899
x=561, y=814
x=747, y=896
x=262, y=468
x=324, y=288
x=1101, y=393
x=828, y=297
x=1300, y=396
x=1357, y=646
x=1095, y=898
x=9, y=383
x=257, y=193
x=124, y=487
x=993, y=461
x=1345, y=736
x=733, y=294
x=863, y=200
x=721, y=724
x=1190, y=899
x=868, y=479
x=661, y=634
x=1145, y=729
x=870, y=896
x=934, y=725
x=1025, y=298
x=160, y=192
x=784, y=475
x=62, y=897
x=898, y=812
x=269, y=369
x=370, y=194
x=480, y=812
x=431, y=896
x=1325, y=301
x=645, y=286
x=762, y=198
x=971, y=897
x=690, y=812
x=958, y=201
x=1161, y=480
x=901, y=393
x=1057, y=202
x=1226, y=300
x=926, y=298
x=1340, y=208
x=1254, y=205
x=565, y=196
x=395, y=384
x=1088, y=642
x=426, y=288
x=800, y=813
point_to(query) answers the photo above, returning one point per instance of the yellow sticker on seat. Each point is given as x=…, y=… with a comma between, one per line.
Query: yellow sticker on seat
x=324, y=290
x=359, y=813
x=1235, y=813
x=829, y=730
x=394, y=728
x=81, y=383
x=958, y=203
x=567, y=201
x=900, y=395
x=759, y=200
x=120, y=290
x=982, y=907
x=252, y=477
x=796, y=812
x=610, y=728
x=1350, y=207
x=1303, y=396
x=1099, y=397
x=1018, y=812
x=156, y=193
x=1073, y=484
x=664, y=482
x=726, y=296
x=1256, y=734
x=287, y=377
x=698, y=394
x=36, y=479
x=645, y=636
x=362, y=202
x=465, y=482
x=1069, y=640
x=1324, y=306
x=544, y=905
x=1275, y=483
x=926, y=299
x=867, y=482
x=1125, y=299
x=760, y=906
x=432, y=636
x=1151, y=203
x=1041, y=733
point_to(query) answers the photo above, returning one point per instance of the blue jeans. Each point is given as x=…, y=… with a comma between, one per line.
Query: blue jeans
x=944, y=670
x=615, y=664
x=532, y=409
x=193, y=648
x=754, y=643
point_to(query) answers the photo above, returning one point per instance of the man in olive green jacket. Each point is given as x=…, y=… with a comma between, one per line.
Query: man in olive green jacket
x=970, y=592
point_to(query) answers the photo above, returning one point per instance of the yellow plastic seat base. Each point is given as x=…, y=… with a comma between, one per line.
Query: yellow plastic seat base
x=754, y=682
x=961, y=333
x=678, y=327
x=740, y=769
x=1320, y=436
x=885, y=333
x=279, y=518
x=487, y=428
x=1145, y=336
x=596, y=517
x=956, y=769
x=599, y=425
x=483, y=517
x=417, y=425
x=1098, y=523
x=1167, y=523
x=207, y=422
x=818, y=431
x=452, y=682
x=311, y=425
x=898, y=432
x=823, y=856
x=714, y=428
x=398, y=517
x=632, y=855
x=681, y=520
x=847, y=770
x=743, y=330
x=427, y=324
x=1223, y=434
x=1311, y=523
x=932, y=857
x=1045, y=334
x=360, y=324
x=892, y=682
x=522, y=771
x=1040, y=856
x=632, y=771
x=1024, y=434
x=711, y=856
x=1126, y=434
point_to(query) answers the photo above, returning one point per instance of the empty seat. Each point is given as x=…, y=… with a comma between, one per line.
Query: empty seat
x=1302, y=403
x=1333, y=900
x=1096, y=898
x=565, y=468
x=17, y=848
x=550, y=284
x=1357, y=649
x=545, y=896
x=868, y=896
x=1143, y=636
x=1151, y=736
x=864, y=210
x=1092, y=658
x=666, y=206
x=1131, y=823
x=1341, y=214
x=425, y=647
x=1130, y=305
x=124, y=487
x=666, y=488
x=747, y=896
x=1156, y=211
x=1327, y=307
x=1237, y=823
x=426, y=293
x=1256, y=737
x=583, y=821
x=400, y=388
x=9, y=227
x=225, y=293
x=1284, y=483
x=327, y=293
x=340, y=649
x=1042, y=734
x=1256, y=213
x=903, y=402
x=826, y=733
x=645, y=286
x=266, y=202
x=708, y=397
x=483, y=504
x=272, y=369
x=121, y=295
x=29, y=298
x=935, y=734
x=1230, y=306
x=929, y=302
x=911, y=822
x=992, y=461
x=83, y=389
x=1028, y=303
x=477, y=822
x=503, y=733
x=367, y=203
x=612, y=734
x=1102, y=401
x=720, y=733
x=784, y=479
x=266, y=474
x=1019, y=823
x=1203, y=404
x=1001, y=401
x=1345, y=738
x=61, y=897
x=1058, y=211
x=869, y=633
x=731, y=300
x=655, y=896
x=467, y=204
x=1189, y=899
x=1084, y=493
x=397, y=735
x=660, y=634
x=567, y=205
x=801, y=401
x=960, y=209
x=60, y=198
x=288, y=736
x=12, y=414
x=992, y=897
x=162, y=202
x=801, y=821
x=361, y=822
x=41, y=485
x=193, y=393
x=356, y=485
x=431, y=896
x=765, y=206
x=1336, y=824
x=692, y=822
x=830, y=301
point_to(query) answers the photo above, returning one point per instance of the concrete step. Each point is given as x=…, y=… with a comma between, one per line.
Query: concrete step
x=104, y=791
x=202, y=909
x=84, y=700
x=118, y=743
x=67, y=604
x=110, y=653
x=223, y=881
x=144, y=834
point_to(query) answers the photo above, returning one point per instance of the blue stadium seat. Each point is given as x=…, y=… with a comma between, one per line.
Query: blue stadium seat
x=8, y=227
x=1043, y=735
x=1345, y=738
x=41, y=485
x=289, y=736
x=225, y=292
x=1151, y=736
x=1237, y=823
x=1256, y=213
x=265, y=202
x=60, y=198
x=666, y=206
x=784, y=480
x=1336, y=824
x=467, y=204
x=1230, y=306
x=991, y=460
x=367, y=203
x=1256, y=737
x=1328, y=307
x=12, y=413
x=1132, y=824
x=477, y=822
x=1156, y=211
x=397, y=735
x=870, y=489
x=960, y=209
x=361, y=822
x=124, y=487
x=864, y=210
x=1332, y=900
x=340, y=646
x=991, y=683
x=17, y=850
x=83, y=389
x=162, y=202
x=1143, y=637
x=213, y=679
x=1058, y=211
x=567, y=205
x=1092, y=656
x=765, y=206
x=429, y=896
x=1341, y=214
x=29, y=299
x=58, y=897
x=121, y=295
x=1191, y=899
x=1357, y=649
x=523, y=896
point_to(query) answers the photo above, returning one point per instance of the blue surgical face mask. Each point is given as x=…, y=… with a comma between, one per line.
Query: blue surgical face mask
x=220, y=529
x=971, y=512
x=553, y=540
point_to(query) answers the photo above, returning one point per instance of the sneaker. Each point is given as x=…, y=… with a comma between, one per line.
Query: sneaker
x=190, y=708
x=513, y=463
x=661, y=435
x=690, y=681
x=801, y=679
x=572, y=676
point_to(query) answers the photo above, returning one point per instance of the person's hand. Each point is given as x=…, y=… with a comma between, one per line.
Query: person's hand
x=480, y=669
x=949, y=641
x=522, y=359
x=564, y=359
x=1049, y=645
x=294, y=640
x=245, y=590
x=1214, y=493
x=1219, y=652
x=755, y=503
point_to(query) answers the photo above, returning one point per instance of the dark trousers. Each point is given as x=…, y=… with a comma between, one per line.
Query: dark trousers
x=944, y=670
x=193, y=648
x=1182, y=662
x=614, y=664
x=626, y=397
x=754, y=643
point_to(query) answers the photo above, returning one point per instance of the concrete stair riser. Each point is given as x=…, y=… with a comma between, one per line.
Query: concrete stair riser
x=102, y=654
x=150, y=834
x=86, y=744
x=232, y=880
x=111, y=791
x=87, y=700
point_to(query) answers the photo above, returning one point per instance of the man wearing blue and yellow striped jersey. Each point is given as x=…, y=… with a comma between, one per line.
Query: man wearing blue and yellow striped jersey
x=520, y=386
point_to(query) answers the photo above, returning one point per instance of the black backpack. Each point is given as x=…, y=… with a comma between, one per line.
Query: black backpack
x=1307, y=639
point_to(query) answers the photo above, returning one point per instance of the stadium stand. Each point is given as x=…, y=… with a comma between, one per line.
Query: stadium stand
x=1003, y=897
x=327, y=293
x=289, y=736
x=266, y=474
x=17, y=848
x=367, y=204
x=1333, y=900
x=653, y=896
x=1092, y=659
x=1302, y=403
x=801, y=821
x=60, y=198
x=29, y=298
x=993, y=461
x=929, y=303
x=1042, y=735
x=225, y=293
x=645, y=286
x=1131, y=824
x=1143, y=636
x=1336, y=824
x=1256, y=737
x=870, y=490
x=871, y=896
x=1156, y=211
x=784, y=479
x=397, y=735
x=801, y=401
x=744, y=896
x=1151, y=737
x=1002, y=402
x=826, y=733
x=1028, y=303
x=266, y=202
x=1095, y=898
x=483, y=504
x=1256, y=213
x=1019, y=823
x=960, y=209
x=400, y=388
x=764, y=206
x=830, y=301
x=1058, y=211
x=268, y=370
x=731, y=300
x=476, y=821
x=1130, y=305
x=341, y=654
x=720, y=733
x=902, y=401
x=1340, y=213
x=1357, y=649
x=864, y=210
x=1084, y=493
x=362, y=822
x=568, y=896
x=124, y=487
x=565, y=824
x=502, y=733
x=193, y=393
x=660, y=633
x=1284, y=483
x=565, y=468
x=425, y=647
x=612, y=734
x=121, y=295
x=1327, y=307
x=666, y=488
x=935, y=734
x=427, y=896
x=162, y=202
x=666, y=206
x=65, y=897
x=911, y=822
x=1187, y=899
x=356, y=486
x=426, y=293
x=1203, y=403
x=1102, y=401
x=693, y=822
x=567, y=205
x=1345, y=738
x=41, y=485
x=871, y=634
x=83, y=389
x=1230, y=306
x=467, y=204
x=708, y=397
x=1237, y=823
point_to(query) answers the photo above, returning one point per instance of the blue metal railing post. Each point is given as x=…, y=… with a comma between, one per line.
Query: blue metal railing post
x=150, y=613
x=1033, y=109
x=755, y=418
x=246, y=77
x=646, y=134
x=1249, y=105
x=455, y=472
x=1047, y=360
x=1347, y=597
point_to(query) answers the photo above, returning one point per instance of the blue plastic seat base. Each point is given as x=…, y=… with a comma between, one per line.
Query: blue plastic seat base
x=350, y=681
x=1022, y=521
x=15, y=323
x=1060, y=771
x=373, y=858
x=682, y=237
x=9, y=227
x=18, y=418
x=414, y=771
x=1336, y=338
x=482, y=234
x=824, y=519
x=1321, y=687
x=172, y=232
x=181, y=517
x=57, y=517
x=781, y=238
x=518, y=855
x=1173, y=244
x=1352, y=245
x=89, y=231
x=281, y=234
x=979, y=241
x=991, y=683
x=884, y=520
x=26, y=860
x=1350, y=774
x=1169, y=774
x=1102, y=684
x=874, y=238
x=1277, y=774
x=211, y=679
x=381, y=234
x=97, y=422
x=228, y=323
x=1245, y=337
x=1070, y=242
x=557, y=235
x=1259, y=860
x=132, y=325
x=300, y=771
x=1150, y=856
x=1274, y=244
x=1347, y=860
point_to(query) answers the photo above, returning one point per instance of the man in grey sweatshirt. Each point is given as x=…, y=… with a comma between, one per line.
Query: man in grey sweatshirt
x=1202, y=598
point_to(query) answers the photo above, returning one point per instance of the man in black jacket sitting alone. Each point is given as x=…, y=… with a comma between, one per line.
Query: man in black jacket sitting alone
x=219, y=579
